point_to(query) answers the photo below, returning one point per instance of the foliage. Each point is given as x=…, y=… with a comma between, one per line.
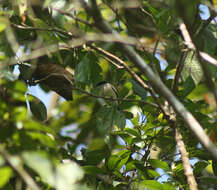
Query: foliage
x=84, y=144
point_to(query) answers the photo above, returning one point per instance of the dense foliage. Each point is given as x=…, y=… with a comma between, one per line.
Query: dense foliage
x=161, y=58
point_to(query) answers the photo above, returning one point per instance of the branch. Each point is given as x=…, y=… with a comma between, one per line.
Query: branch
x=26, y=27
x=179, y=68
x=185, y=159
x=21, y=172
x=108, y=56
x=155, y=81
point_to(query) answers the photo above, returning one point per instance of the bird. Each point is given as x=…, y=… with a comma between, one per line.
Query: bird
x=108, y=90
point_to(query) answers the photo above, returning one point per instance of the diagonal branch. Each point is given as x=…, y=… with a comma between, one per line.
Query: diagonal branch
x=185, y=159
x=155, y=81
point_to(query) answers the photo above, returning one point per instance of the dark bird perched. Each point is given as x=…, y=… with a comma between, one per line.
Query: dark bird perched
x=53, y=76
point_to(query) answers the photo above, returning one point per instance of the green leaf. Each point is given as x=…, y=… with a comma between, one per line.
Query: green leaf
x=159, y=164
x=140, y=91
x=43, y=138
x=112, y=163
x=151, y=185
x=192, y=68
x=133, y=132
x=20, y=87
x=188, y=86
x=92, y=170
x=198, y=93
x=116, y=161
x=119, y=119
x=5, y=174
x=94, y=157
x=37, y=108
x=167, y=186
x=2, y=26
x=88, y=71
x=82, y=71
x=3, y=23
x=105, y=120
x=152, y=173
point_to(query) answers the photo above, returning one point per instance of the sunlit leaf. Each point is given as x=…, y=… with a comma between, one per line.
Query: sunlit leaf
x=192, y=68
x=5, y=174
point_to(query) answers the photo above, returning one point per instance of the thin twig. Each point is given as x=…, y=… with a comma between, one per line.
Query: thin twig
x=179, y=68
x=50, y=29
x=20, y=170
x=153, y=54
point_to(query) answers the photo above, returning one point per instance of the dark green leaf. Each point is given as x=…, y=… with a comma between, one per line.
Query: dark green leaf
x=159, y=164
x=92, y=170
x=37, y=108
x=105, y=120
x=188, y=86
x=88, y=71
x=140, y=91
x=119, y=119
